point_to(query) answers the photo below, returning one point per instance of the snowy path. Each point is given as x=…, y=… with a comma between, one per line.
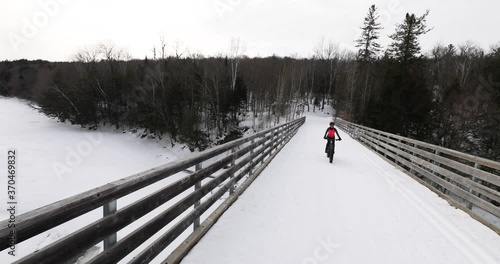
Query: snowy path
x=360, y=209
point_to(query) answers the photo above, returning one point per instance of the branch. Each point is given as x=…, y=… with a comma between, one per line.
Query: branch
x=57, y=89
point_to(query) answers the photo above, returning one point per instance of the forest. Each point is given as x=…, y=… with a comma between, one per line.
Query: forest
x=448, y=96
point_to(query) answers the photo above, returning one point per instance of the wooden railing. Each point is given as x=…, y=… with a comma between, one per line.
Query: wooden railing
x=226, y=165
x=464, y=180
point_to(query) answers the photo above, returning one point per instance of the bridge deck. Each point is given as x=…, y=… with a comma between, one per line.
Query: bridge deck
x=359, y=209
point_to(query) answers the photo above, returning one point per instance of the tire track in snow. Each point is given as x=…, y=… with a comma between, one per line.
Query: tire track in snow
x=451, y=232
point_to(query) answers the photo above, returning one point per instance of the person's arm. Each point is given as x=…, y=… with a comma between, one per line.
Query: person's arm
x=337, y=132
x=325, y=133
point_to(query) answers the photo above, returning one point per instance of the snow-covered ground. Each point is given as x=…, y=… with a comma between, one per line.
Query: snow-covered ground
x=57, y=160
x=359, y=209
x=52, y=155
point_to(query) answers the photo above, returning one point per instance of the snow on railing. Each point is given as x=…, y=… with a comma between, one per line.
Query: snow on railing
x=233, y=160
x=468, y=182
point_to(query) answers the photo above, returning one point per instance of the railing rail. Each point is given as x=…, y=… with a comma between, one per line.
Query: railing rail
x=234, y=160
x=465, y=180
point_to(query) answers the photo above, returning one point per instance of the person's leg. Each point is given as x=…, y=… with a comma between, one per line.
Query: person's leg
x=333, y=146
x=326, y=147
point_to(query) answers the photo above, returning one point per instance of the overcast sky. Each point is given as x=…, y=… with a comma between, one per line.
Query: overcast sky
x=56, y=30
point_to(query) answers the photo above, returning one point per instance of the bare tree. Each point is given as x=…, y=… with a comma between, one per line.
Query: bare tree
x=312, y=71
x=237, y=49
x=469, y=52
x=495, y=49
x=86, y=59
x=180, y=50
x=351, y=69
x=328, y=54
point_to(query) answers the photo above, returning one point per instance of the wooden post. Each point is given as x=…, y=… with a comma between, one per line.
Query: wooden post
x=413, y=154
x=385, y=150
x=108, y=209
x=197, y=186
x=273, y=146
x=251, y=160
x=231, y=190
x=469, y=204
x=378, y=143
x=397, y=162
x=262, y=162
x=437, y=164
x=278, y=132
x=477, y=166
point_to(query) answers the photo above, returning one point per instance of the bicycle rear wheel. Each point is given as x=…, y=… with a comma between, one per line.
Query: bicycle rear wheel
x=330, y=152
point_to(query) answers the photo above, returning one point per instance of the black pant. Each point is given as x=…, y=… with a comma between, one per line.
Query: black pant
x=333, y=142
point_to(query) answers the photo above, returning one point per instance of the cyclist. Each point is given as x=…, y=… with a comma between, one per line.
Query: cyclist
x=330, y=135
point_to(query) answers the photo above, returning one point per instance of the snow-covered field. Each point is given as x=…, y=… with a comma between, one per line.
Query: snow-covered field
x=360, y=209
x=53, y=155
x=56, y=161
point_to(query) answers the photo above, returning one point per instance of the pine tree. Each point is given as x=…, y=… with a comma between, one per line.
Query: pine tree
x=406, y=45
x=368, y=52
x=368, y=47
x=406, y=99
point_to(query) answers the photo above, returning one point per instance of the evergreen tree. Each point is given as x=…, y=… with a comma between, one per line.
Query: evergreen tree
x=406, y=46
x=368, y=47
x=367, y=55
x=405, y=98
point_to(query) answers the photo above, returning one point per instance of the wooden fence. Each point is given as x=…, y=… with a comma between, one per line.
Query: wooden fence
x=231, y=162
x=466, y=181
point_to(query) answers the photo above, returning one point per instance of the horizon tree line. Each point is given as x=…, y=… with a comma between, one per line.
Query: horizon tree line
x=447, y=96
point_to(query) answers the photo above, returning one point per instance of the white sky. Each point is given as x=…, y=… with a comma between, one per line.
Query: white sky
x=283, y=27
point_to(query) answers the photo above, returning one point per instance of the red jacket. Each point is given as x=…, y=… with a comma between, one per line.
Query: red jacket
x=330, y=133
